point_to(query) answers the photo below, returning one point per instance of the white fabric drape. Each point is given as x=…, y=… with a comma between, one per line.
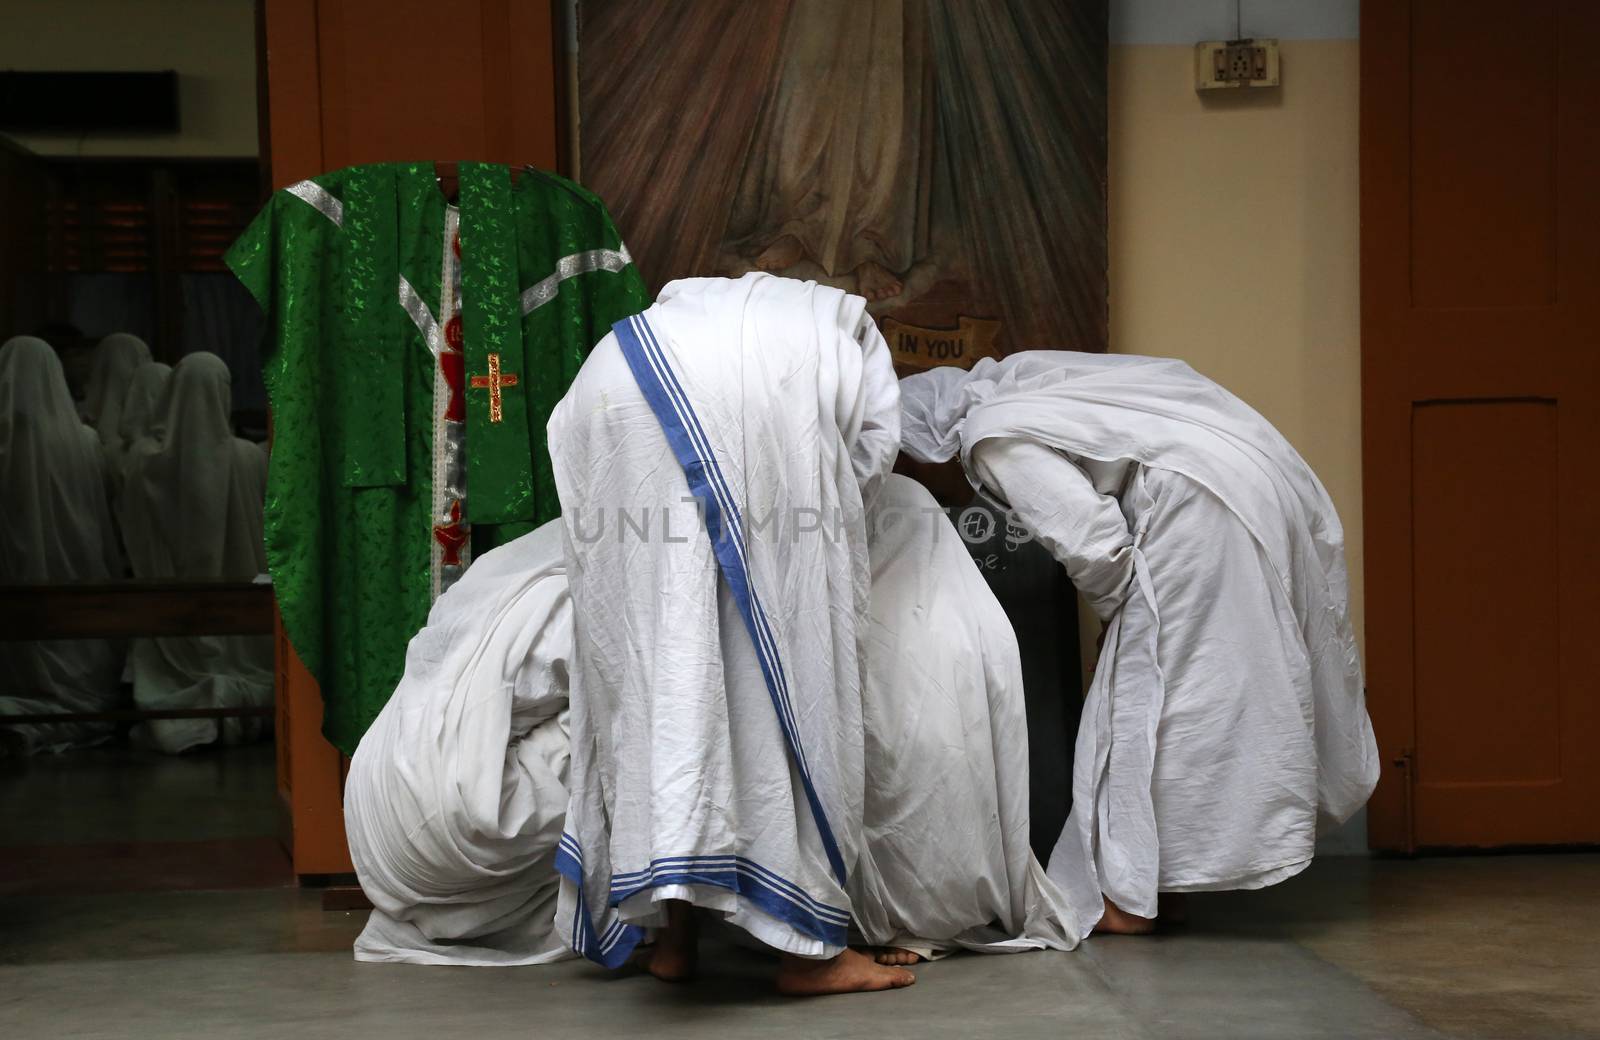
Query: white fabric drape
x=1226, y=715
x=456, y=798
x=142, y=408
x=945, y=859
x=115, y=359
x=57, y=529
x=457, y=794
x=713, y=673
x=191, y=509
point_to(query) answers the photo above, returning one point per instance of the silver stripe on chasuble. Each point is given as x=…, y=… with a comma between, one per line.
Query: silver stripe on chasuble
x=450, y=541
x=421, y=317
x=543, y=291
x=319, y=197
x=451, y=534
x=451, y=549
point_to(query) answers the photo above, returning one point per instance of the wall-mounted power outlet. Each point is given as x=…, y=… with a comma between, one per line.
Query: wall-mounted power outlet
x=1229, y=64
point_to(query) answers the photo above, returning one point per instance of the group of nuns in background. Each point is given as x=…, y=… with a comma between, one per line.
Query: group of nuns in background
x=143, y=478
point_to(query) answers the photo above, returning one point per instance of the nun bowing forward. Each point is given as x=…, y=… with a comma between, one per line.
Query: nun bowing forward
x=713, y=458
x=1226, y=718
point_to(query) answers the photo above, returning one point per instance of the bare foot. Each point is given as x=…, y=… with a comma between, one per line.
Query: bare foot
x=875, y=282
x=781, y=255
x=1117, y=921
x=850, y=972
x=677, y=947
x=895, y=955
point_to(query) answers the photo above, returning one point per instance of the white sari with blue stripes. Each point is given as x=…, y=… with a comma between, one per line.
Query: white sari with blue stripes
x=712, y=459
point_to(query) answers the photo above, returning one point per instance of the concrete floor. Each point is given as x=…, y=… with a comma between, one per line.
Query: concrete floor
x=1492, y=947
x=117, y=819
x=116, y=793
x=103, y=933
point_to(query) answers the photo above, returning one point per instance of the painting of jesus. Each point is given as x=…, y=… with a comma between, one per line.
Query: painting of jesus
x=944, y=159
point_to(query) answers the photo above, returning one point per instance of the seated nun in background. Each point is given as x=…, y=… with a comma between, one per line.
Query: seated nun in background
x=457, y=796
x=57, y=529
x=1226, y=718
x=141, y=408
x=111, y=369
x=191, y=511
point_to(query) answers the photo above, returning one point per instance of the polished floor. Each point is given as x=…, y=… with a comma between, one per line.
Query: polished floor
x=95, y=943
x=117, y=819
x=1498, y=948
x=118, y=793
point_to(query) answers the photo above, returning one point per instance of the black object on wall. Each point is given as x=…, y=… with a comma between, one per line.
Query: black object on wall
x=72, y=102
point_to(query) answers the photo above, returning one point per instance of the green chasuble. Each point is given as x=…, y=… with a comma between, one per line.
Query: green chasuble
x=414, y=352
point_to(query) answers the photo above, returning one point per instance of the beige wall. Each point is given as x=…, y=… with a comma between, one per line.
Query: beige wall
x=1234, y=244
x=211, y=43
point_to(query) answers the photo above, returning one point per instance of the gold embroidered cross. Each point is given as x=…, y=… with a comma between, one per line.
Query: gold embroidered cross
x=493, y=382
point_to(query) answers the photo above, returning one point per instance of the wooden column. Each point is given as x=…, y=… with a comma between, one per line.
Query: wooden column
x=360, y=81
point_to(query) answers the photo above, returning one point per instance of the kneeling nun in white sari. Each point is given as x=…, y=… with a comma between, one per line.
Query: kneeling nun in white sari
x=945, y=860
x=457, y=794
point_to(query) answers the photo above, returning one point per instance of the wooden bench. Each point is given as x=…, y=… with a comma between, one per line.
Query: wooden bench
x=133, y=609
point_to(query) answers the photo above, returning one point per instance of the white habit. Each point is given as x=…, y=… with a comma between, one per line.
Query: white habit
x=191, y=510
x=945, y=860
x=1226, y=716
x=712, y=459
x=142, y=408
x=57, y=529
x=456, y=797
x=457, y=794
x=111, y=368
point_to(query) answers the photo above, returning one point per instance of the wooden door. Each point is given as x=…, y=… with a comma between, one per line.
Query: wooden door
x=359, y=81
x=1480, y=322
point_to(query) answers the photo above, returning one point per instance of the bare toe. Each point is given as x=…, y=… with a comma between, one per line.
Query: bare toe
x=895, y=955
x=849, y=972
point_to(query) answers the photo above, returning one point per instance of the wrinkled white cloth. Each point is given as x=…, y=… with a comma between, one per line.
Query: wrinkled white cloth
x=191, y=509
x=456, y=798
x=457, y=793
x=111, y=368
x=142, y=409
x=716, y=712
x=1226, y=717
x=57, y=530
x=945, y=860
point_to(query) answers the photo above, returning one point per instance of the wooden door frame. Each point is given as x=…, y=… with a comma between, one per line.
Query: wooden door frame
x=1385, y=470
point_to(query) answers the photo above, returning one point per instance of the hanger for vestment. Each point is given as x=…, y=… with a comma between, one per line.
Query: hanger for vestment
x=444, y=171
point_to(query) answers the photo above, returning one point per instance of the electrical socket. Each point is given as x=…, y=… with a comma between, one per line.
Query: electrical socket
x=1229, y=64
